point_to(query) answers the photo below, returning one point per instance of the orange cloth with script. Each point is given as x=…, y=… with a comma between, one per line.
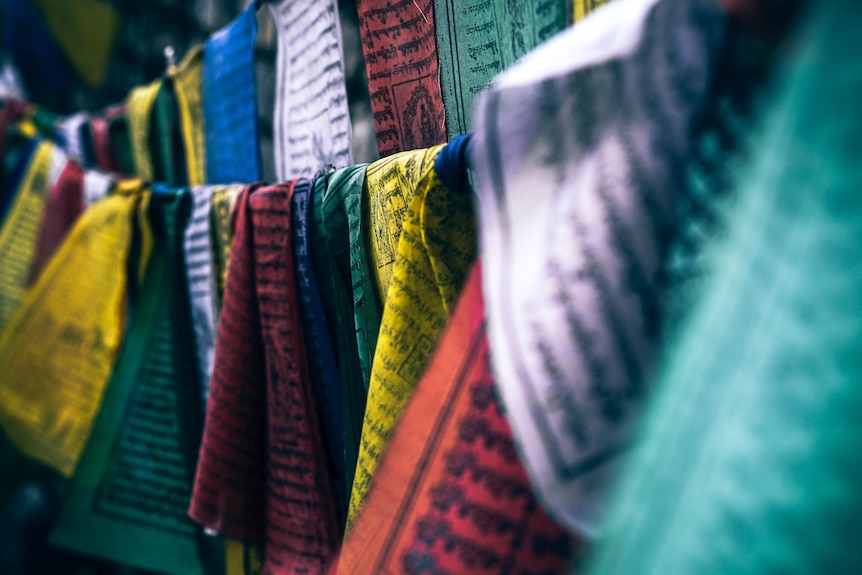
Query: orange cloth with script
x=451, y=495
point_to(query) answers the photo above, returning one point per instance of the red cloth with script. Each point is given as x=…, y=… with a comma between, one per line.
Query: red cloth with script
x=451, y=495
x=103, y=147
x=63, y=206
x=400, y=46
x=261, y=475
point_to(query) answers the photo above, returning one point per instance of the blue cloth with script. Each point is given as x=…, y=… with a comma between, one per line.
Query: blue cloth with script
x=229, y=96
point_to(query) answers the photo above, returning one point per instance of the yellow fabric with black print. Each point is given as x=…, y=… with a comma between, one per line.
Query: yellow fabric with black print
x=85, y=31
x=436, y=247
x=139, y=109
x=389, y=186
x=58, y=350
x=20, y=231
x=584, y=7
x=187, y=87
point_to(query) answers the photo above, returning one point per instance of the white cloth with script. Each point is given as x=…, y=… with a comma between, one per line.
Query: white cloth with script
x=311, y=129
x=578, y=154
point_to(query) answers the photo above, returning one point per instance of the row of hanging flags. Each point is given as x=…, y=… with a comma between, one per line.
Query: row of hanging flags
x=319, y=374
x=196, y=353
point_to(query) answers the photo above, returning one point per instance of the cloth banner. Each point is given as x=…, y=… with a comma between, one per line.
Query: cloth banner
x=323, y=368
x=187, y=87
x=85, y=31
x=584, y=7
x=748, y=459
x=579, y=155
x=58, y=351
x=166, y=145
x=221, y=225
x=400, y=49
x=477, y=43
x=311, y=129
x=20, y=232
x=389, y=187
x=129, y=497
x=229, y=95
x=139, y=109
x=261, y=474
x=451, y=495
x=339, y=254
x=436, y=247
x=63, y=206
x=201, y=281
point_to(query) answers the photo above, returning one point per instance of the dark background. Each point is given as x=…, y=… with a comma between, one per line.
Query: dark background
x=148, y=26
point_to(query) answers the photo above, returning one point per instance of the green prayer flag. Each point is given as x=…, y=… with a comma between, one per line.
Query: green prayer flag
x=348, y=297
x=477, y=41
x=130, y=495
x=166, y=137
x=749, y=455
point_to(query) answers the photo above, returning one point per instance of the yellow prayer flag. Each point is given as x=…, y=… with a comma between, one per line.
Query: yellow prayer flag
x=389, y=186
x=223, y=202
x=139, y=108
x=58, y=350
x=20, y=232
x=85, y=30
x=187, y=87
x=242, y=558
x=436, y=248
x=584, y=7
x=132, y=187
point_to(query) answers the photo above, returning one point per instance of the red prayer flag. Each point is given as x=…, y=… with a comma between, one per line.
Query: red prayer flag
x=63, y=206
x=261, y=475
x=400, y=47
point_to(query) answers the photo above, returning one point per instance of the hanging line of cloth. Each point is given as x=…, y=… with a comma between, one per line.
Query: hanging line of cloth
x=308, y=312
x=401, y=44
